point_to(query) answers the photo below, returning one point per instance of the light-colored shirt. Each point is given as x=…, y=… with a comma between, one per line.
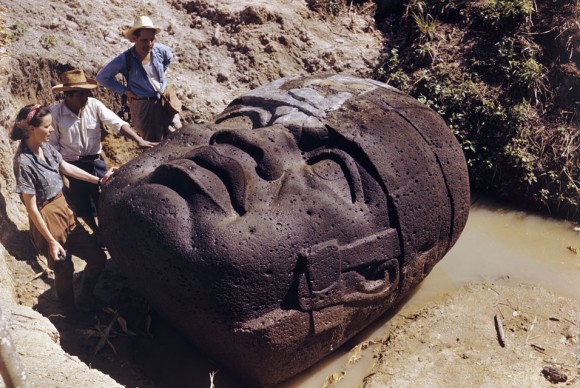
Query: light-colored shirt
x=153, y=76
x=131, y=68
x=35, y=176
x=75, y=136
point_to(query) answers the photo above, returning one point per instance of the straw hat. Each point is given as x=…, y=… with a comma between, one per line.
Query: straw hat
x=141, y=22
x=74, y=80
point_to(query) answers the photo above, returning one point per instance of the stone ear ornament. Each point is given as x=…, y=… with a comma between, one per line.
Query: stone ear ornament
x=354, y=274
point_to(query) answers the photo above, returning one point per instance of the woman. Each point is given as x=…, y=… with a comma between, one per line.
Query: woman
x=53, y=225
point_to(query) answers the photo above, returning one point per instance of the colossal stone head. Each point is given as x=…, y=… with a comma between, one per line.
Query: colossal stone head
x=304, y=212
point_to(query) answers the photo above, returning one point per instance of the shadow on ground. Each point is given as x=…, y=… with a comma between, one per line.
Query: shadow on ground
x=141, y=348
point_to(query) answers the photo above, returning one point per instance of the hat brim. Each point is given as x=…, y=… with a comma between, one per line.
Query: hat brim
x=91, y=84
x=130, y=31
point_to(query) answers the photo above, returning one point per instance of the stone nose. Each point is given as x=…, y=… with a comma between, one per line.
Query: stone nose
x=273, y=148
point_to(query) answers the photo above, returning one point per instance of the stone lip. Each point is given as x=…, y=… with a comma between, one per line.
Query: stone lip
x=352, y=191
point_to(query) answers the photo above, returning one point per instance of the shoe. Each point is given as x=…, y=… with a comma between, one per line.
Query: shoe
x=88, y=303
x=67, y=306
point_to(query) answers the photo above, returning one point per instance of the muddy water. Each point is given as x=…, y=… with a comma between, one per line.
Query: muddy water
x=497, y=243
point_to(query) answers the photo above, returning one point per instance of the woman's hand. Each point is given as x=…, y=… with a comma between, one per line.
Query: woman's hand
x=108, y=174
x=54, y=248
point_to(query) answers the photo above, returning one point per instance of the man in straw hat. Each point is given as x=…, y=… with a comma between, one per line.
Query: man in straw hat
x=78, y=122
x=143, y=66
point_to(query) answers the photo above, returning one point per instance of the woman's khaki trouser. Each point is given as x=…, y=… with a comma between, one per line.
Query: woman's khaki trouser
x=75, y=239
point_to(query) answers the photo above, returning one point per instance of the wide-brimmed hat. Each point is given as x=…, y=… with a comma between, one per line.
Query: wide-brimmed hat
x=74, y=80
x=141, y=22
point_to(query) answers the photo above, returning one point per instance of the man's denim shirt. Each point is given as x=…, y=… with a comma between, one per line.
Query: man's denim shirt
x=138, y=83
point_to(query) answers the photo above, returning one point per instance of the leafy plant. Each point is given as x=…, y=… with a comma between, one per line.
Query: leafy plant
x=425, y=25
x=494, y=91
x=18, y=29
x=329, y=7
x=48, y=41
x=505, y=15
x=389, y=71
x=12, y=33
x=512, y=62
x=437, y=8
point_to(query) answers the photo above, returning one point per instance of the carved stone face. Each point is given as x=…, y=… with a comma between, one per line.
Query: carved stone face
x=306, y=210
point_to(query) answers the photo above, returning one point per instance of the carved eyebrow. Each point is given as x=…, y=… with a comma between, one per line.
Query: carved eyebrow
x=270, y=164
x=348, y=165
x=232, y=138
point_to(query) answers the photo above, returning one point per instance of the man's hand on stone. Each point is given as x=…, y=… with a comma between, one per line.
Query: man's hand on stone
x=146, y=144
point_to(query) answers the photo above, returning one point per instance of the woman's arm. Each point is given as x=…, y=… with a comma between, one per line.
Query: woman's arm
x=54, y=246
x=78, y=173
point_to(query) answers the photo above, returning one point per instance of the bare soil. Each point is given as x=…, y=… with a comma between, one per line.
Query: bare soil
x=223, y=49
x=485, y=335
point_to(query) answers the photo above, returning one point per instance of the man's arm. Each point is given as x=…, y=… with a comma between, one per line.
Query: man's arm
x=109, y=119
x=127, y=131
x=107, y=75
x=166, y=55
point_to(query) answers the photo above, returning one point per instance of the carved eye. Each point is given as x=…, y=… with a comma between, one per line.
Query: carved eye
x=332, y=172
x=339, y=172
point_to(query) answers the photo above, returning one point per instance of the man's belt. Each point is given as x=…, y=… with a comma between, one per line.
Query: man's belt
x=147, y=98
x=87, y=158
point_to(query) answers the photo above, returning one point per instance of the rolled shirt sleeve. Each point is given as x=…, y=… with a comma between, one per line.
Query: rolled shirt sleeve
x=167, y=55
x=109, y=118
x=162, y=56
x=107, y=75
x=24, y=180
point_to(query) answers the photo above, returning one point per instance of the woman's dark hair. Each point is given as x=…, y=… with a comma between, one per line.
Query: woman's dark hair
x=29, y=115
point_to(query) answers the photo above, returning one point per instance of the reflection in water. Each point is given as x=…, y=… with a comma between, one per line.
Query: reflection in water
x=496, y=244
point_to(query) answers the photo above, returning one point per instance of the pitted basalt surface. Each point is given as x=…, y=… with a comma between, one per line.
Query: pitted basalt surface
x=308, y=209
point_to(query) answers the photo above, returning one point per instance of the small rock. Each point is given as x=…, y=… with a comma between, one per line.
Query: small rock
x=55, y=23
x=554, y=375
